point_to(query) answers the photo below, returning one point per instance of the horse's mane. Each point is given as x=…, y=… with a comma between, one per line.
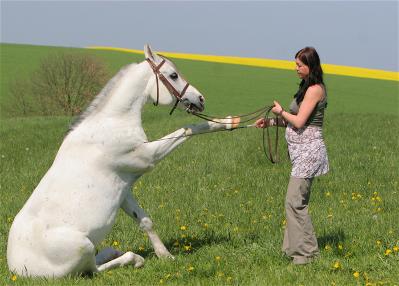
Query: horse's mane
x=100, y=99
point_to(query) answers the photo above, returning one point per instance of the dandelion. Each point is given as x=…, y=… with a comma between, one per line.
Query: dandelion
x=387, y=252
x=328, y=194
x=218, y=258
x=161, y=281
x=183, y=227
x=115, y=243
x=327, y=247
x=14, y=278
x=205, y=225
x=337, y=265
x=396, y=248
x=190, y=268
x=141, y=248
x=187, y=247
x=340, y=247
x=356, y=274
x=378, y=242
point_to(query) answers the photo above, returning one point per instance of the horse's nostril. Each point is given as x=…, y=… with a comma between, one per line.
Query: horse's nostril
x=201, y=98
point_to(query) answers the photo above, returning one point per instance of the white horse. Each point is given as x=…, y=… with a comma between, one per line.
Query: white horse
x=75, y=204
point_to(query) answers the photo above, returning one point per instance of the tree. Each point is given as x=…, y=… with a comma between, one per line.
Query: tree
x=63, y=85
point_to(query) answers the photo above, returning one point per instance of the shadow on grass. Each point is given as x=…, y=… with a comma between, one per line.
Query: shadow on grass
x=187, y=244
x=331, y=239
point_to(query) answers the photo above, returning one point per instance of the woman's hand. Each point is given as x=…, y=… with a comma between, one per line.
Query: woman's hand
x=263, y=122
x=277, y=109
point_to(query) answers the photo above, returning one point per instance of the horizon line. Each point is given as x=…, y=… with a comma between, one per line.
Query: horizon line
x=268, y=63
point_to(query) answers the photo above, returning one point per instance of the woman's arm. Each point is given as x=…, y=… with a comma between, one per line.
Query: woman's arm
x=312, y=96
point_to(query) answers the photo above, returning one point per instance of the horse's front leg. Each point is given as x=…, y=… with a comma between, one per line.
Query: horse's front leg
x=131, y=207
x=154, y=151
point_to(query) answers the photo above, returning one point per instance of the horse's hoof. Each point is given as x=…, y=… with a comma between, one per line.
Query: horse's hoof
x=134, y=259
x=166, y=255
x=139, y=261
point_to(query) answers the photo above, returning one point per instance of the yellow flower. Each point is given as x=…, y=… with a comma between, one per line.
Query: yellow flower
x=327, y=247
x=340, y=247
x=356, y=274
x=187, y=247
x=205, y=225
x=217, y=258
x=14, y=278
x=396, y=248
x=190, y=268
x=328, y=194
x=220, y=274
x=378, y=242
x=337, y=265
x=141, y=248
x=115, y=243
x=183, y=227
x=387, y=252
x=161, y=281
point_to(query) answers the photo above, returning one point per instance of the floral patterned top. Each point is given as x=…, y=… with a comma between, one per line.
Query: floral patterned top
x=306, y=149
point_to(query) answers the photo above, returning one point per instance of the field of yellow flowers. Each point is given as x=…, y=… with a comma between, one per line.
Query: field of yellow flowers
x=218, y=204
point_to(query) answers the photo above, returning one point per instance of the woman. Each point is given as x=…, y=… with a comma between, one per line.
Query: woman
x=307, y=152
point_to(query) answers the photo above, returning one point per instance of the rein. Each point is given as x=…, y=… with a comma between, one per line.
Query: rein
x=244, y=118
x=267, y=149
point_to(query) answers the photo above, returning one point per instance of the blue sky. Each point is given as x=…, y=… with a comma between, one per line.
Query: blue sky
x=354, y=33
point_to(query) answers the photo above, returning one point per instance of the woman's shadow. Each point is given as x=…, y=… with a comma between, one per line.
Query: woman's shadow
x=331, y=239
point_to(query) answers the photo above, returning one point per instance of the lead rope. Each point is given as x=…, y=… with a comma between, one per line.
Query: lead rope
x=267, y=148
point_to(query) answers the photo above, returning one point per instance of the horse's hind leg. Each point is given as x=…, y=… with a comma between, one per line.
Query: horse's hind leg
x=131, y=207
x=110, y=258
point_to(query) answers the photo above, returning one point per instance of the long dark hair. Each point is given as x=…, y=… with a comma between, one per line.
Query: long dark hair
x=309, y=57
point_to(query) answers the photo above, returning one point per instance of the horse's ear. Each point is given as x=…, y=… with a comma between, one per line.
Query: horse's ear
x=150, y=55
x=148, y=52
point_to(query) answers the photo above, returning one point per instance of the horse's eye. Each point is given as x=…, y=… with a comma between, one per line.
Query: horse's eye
x=174, y=76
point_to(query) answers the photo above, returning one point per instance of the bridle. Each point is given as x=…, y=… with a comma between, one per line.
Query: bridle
x=178, y=95
x=244, y=118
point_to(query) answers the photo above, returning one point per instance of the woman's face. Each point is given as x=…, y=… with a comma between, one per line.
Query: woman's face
x=301, y=69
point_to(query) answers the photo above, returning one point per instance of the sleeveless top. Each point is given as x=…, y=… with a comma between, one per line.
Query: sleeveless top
x=317, y=115
x=306, y=148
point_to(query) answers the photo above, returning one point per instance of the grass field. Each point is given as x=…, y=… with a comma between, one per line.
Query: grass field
x=222, y=216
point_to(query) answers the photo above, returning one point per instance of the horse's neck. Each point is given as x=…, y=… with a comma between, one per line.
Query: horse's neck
x=129, y=95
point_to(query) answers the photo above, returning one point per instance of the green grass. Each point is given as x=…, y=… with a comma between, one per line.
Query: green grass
x=225, y=191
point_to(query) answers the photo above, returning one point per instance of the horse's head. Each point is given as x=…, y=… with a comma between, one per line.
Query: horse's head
x=168, y=86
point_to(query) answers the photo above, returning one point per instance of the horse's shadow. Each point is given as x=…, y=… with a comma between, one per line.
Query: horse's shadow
x=189, y=244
